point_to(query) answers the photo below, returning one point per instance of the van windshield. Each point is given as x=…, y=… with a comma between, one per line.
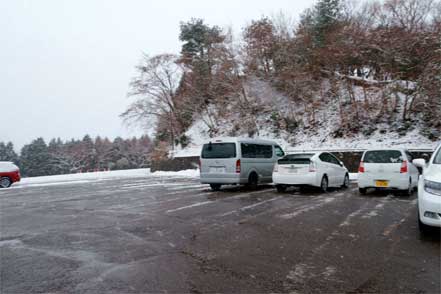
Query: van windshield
x=383, y=156
x=296, y=159
x=219, y=150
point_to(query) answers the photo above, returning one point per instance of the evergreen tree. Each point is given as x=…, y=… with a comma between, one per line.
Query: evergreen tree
x=7, y=152
x=35, y=159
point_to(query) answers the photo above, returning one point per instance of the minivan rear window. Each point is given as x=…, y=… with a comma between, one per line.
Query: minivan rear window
x=383, y=156
x=219, y=150
x=296, y=159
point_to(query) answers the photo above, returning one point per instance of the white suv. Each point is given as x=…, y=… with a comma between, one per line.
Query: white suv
x=429, y=192
x=387, y=169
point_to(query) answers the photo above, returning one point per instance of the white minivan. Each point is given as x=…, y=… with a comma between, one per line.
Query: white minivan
x=230, y=161
x=387, y=169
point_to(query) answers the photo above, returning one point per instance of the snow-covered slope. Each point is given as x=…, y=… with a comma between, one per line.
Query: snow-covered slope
x=307, y=136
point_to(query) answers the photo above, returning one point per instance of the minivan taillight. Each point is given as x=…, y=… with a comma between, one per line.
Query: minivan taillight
x=361, y=167
x=403, y=168
x=238, y=166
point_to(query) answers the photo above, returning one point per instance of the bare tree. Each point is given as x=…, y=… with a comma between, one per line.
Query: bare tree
x=154, y=89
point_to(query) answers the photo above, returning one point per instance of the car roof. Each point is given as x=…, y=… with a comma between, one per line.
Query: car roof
x=240, y=140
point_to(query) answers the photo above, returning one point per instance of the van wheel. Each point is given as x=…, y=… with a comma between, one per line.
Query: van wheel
x=362, y=191
x=215, y=187
x=281, y=188
x=324, y=184
x=346, y=182
x=253, y=180
x=5, y=182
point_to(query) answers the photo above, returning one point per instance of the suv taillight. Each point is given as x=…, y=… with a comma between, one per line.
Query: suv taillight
x=361, y=167
x=238, y=166
x=403, y=168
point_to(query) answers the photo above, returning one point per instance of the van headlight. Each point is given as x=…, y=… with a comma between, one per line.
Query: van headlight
x=432, y=187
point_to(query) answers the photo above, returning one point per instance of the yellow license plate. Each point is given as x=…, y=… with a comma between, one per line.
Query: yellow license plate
x=381, y=184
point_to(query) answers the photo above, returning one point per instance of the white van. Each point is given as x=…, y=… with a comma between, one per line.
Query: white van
x=230, y=161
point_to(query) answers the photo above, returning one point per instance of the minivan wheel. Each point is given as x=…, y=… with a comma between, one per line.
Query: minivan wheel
x=362, y=191
x=5, y=182
x=253, y=180
x=346, y=181
x=215, y=187
x=281, y=188
x=324, y=184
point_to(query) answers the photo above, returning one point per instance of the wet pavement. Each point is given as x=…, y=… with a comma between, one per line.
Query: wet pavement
x=175, y=235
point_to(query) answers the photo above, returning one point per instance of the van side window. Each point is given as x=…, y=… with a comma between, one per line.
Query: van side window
x=279, y=151
x=256, y=151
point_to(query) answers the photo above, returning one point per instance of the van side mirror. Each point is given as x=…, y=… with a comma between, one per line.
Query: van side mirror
x=419, y=162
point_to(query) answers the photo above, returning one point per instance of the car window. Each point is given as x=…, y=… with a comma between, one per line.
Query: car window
x=219, y=150
x=325, y=157
x=279, y=151
x=437, y=158
x=334, y=159
x=256, y=151
x=409, y=156
x=296, y=159
x=383, y=156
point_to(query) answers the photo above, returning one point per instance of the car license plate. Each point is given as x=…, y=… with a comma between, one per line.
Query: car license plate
x=293, y=171
x=381, y=184
x=217, y=169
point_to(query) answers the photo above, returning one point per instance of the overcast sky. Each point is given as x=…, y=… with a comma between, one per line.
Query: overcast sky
x=66, y=65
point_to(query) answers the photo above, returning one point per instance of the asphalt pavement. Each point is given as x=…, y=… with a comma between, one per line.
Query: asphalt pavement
x=155, y=235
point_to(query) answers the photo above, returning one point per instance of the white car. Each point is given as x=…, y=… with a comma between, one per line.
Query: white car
x=387, y=169
x=429, y=191
x=317, y=169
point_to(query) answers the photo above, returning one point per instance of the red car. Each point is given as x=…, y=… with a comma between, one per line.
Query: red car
x=9, y=174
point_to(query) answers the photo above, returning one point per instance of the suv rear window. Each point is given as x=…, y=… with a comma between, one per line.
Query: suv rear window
x=219, y=150
x=383, y=156
x=296, y=159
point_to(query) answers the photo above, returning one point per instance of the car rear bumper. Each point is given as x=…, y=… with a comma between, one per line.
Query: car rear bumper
x=396, y=181
x=309, y=179
x=429, y=207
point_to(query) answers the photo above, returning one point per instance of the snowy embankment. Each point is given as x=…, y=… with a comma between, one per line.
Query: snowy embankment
x=81, y=178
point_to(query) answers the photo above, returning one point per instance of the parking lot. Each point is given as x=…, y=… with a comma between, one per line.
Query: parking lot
x=166, y=234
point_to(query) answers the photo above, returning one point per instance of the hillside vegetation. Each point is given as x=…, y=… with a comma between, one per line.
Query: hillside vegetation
x=345, y=72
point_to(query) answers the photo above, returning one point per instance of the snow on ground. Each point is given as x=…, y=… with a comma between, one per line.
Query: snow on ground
x=81, y=178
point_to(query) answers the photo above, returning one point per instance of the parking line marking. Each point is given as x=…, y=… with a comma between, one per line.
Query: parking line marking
x=190, y=206
x=250, y=206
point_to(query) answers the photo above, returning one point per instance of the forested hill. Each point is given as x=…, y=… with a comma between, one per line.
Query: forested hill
x=62, y=157
x=345, y=72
